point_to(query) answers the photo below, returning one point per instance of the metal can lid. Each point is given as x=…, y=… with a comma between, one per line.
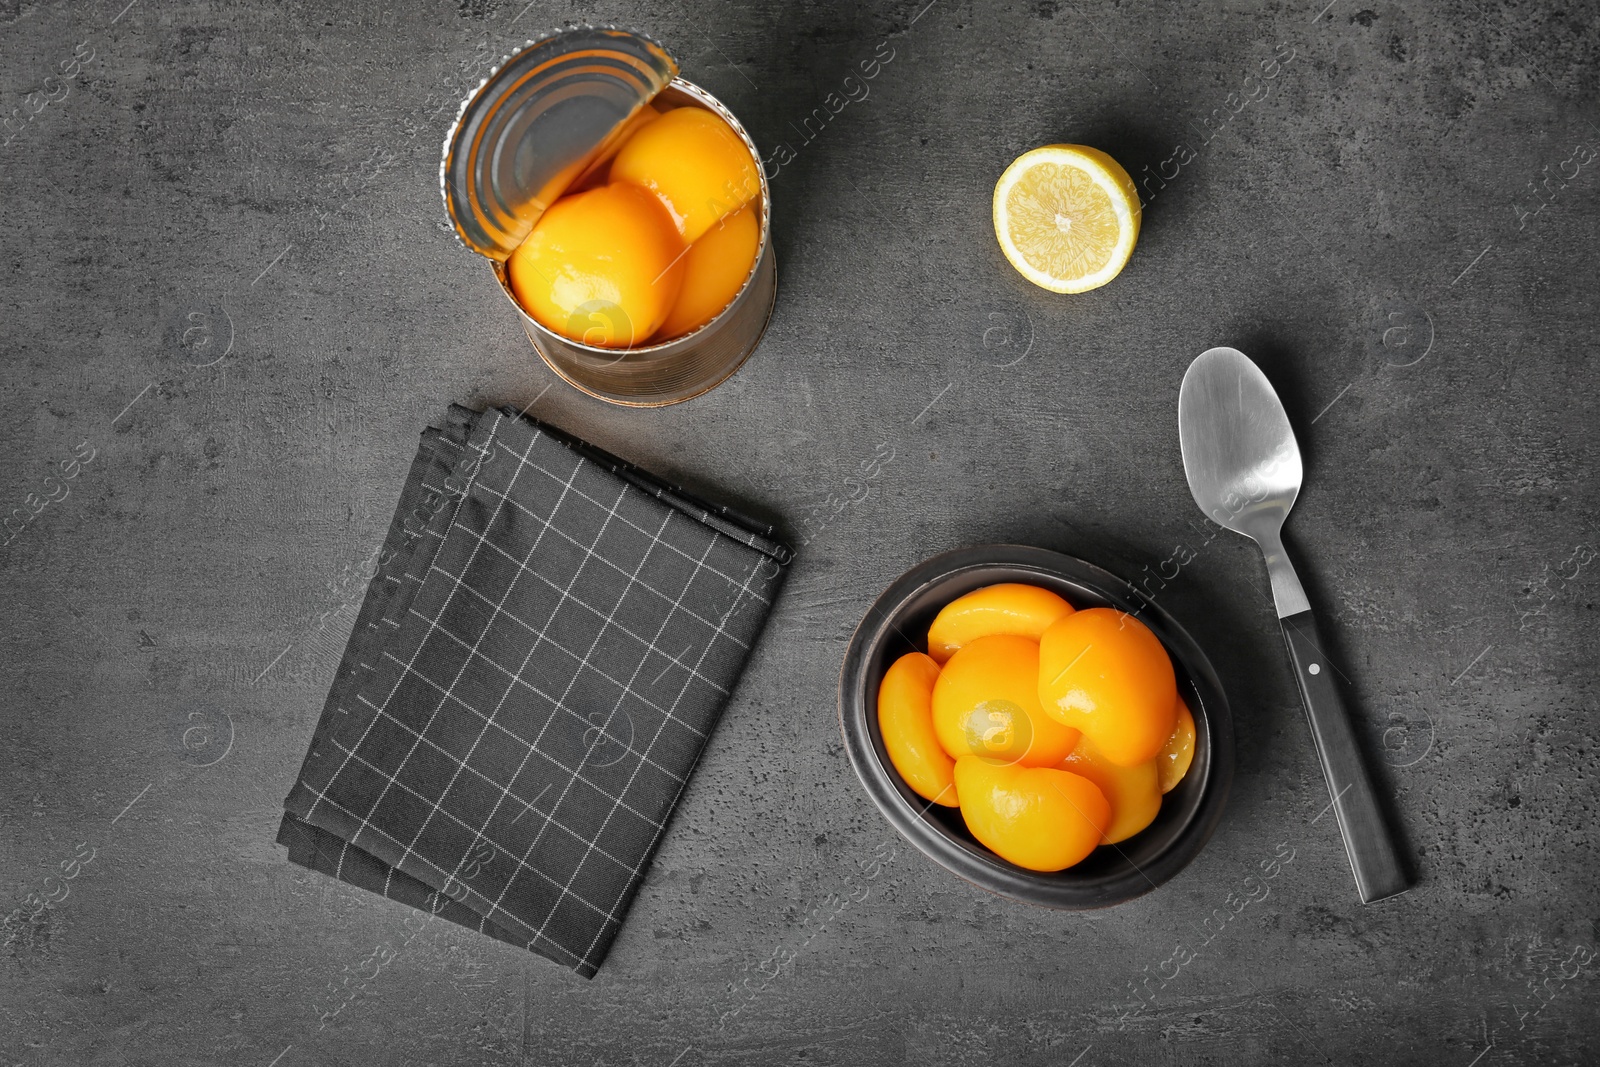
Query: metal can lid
x=536, y=122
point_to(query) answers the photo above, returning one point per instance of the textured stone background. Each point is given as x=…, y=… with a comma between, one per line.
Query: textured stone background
x=226, y=282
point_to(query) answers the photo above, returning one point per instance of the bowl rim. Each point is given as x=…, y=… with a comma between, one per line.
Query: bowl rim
x=973, y=863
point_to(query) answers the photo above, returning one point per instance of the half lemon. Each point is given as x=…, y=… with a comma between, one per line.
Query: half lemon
x=1067, y=217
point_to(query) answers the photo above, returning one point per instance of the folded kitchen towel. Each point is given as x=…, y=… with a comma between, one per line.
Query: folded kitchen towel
x=548, y=642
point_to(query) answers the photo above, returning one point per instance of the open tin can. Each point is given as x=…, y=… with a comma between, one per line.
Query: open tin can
x=537, y=125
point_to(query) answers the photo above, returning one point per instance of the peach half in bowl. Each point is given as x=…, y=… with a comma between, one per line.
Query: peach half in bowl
x=1110, y=873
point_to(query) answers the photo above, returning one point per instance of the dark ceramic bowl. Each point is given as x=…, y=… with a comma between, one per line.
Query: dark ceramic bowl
x=1112, y=874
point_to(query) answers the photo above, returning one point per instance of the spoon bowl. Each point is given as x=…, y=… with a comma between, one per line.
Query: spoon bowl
x=1242, y=462
x=1241, y=458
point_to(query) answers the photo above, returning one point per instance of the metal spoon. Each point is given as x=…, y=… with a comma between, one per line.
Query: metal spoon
x=1244, y=470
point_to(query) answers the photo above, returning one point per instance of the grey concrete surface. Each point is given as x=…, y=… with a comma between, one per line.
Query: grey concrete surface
x=228, y=293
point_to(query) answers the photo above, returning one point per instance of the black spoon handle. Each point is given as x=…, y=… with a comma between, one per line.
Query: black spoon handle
x=1373, y=857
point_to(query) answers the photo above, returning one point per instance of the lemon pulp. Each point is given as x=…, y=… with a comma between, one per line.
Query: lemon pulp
x=1067, y=217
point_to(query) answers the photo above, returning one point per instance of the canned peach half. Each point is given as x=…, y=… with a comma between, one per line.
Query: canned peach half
x=547, y=123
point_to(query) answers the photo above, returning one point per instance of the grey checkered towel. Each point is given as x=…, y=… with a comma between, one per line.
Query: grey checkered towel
x=548, y=642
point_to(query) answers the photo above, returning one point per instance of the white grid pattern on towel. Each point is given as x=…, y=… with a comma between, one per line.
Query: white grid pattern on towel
x=493, y=912
x=525, y=461
x=436, y=809
x=430, y=683
x=681, y=785
x=504, y=498
x=540, y=634
x=484, y=777
x=511, y=586
x=567, y=889
x=420, y=645
x=435, y=624
x=608, y=616
x=590, y=845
